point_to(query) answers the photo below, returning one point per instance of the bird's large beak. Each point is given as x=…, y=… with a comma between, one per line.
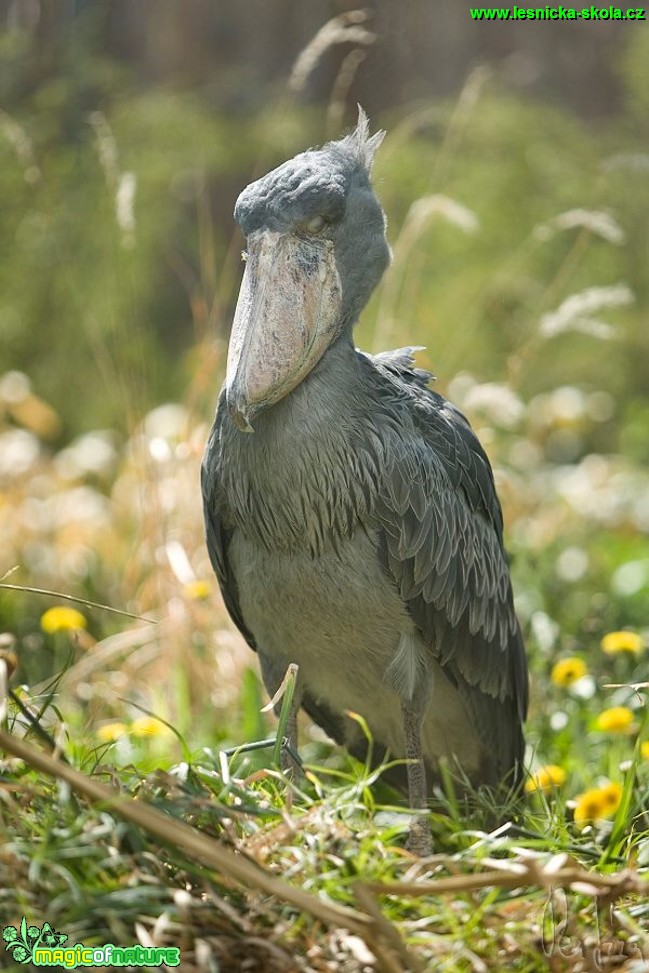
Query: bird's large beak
x=286, y=317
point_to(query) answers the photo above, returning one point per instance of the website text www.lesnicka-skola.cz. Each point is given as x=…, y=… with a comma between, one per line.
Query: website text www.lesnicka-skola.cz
x=558, y=13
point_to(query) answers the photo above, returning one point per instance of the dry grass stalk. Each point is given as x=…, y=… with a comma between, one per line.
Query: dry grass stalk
x=344, y=29
x=340, y=90
x=394, y=952
x=523, y=874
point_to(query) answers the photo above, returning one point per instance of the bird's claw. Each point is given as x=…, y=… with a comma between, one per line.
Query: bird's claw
x=420, y=839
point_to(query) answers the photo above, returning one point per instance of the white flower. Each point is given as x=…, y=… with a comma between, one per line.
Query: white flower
x=497, y=402
x=575, y=313
x=599, y=222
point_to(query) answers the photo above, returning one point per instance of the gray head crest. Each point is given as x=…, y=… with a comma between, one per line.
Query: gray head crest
x=359, y=142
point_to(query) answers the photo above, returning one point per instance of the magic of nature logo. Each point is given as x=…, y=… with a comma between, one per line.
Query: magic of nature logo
x=44, y=946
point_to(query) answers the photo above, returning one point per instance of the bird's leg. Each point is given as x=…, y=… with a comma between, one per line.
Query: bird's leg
x=420, y=840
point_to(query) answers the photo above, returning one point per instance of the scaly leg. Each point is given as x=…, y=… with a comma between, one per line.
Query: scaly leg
x=420, y=840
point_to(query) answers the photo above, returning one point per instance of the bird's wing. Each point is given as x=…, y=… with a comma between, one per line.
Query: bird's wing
x=400, y=364
x=218, y=536
x=441, y=540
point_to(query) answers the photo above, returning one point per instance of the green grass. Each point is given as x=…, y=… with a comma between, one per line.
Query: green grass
x=519, y=895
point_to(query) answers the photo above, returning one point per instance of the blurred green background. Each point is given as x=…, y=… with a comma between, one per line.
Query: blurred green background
x=515, y=177
x=127, y=132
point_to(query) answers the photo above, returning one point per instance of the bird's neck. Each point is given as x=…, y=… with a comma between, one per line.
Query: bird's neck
x=281, y=479
x=338, y=364
x=325, y=397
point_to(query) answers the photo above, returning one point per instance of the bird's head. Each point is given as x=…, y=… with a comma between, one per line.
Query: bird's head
x=316, y=249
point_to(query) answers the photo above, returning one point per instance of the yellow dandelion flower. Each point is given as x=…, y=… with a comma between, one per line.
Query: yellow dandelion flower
x=617, y=719
x=590, y=806
x=198, y=590
x=597, y=803
x=148, y=726
x=545, y=778
x=62, y=619
x=567, y=671
x=644, y=750
x=615, y=642
x=110, y=732
x=611, y=797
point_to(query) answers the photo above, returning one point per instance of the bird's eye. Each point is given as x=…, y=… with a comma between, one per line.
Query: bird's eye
x=315, y=224
x=244, y=255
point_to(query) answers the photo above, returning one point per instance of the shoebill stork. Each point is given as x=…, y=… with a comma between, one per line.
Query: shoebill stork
x=351, y=514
